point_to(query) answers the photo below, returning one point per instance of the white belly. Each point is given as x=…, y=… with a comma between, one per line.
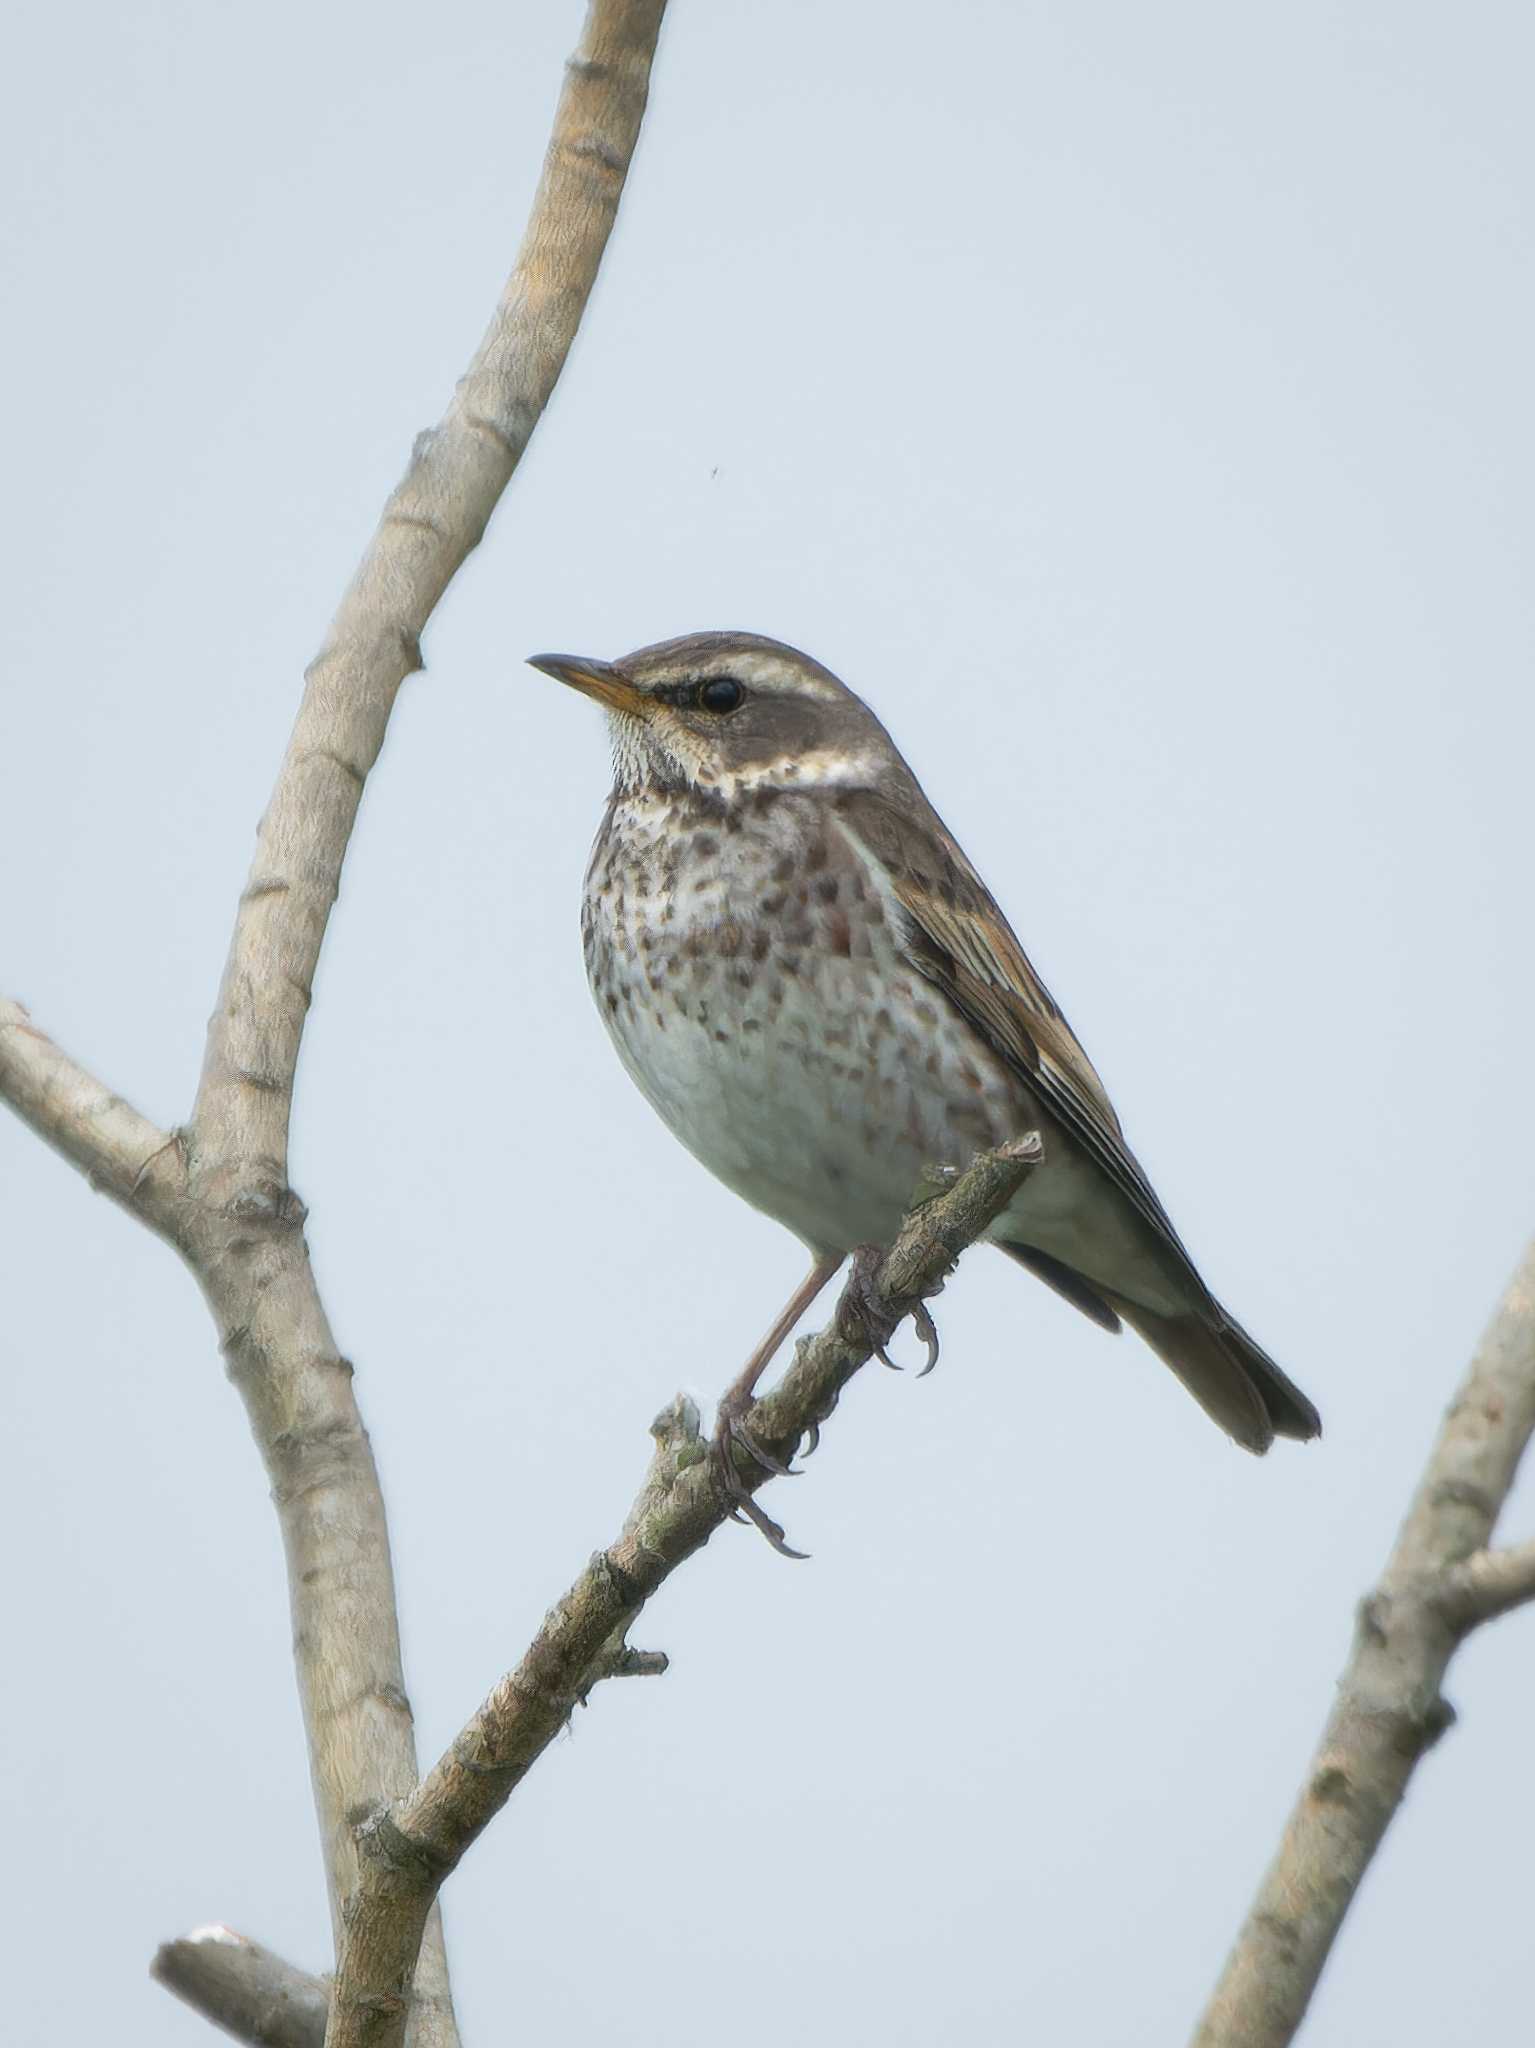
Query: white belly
x=804, y=1093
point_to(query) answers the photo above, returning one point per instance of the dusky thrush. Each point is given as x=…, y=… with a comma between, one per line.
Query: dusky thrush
x=816, y=992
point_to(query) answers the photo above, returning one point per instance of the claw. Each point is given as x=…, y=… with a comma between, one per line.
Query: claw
x=813, y=1442
x=731, y=1430
x=927, y=1330
x=771, y=1529
x=871, y=1310
x=735, y=1427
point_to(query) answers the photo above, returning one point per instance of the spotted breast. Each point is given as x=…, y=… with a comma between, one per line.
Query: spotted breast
x=744, y=964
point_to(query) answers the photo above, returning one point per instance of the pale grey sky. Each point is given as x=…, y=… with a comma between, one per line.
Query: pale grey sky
x=1133, y=403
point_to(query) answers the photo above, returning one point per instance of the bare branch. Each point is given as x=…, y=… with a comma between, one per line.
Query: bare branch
x=436, y=515
x=245, y=1989
x=408, y=1850
x=1439, y=1583
x=121, y=1153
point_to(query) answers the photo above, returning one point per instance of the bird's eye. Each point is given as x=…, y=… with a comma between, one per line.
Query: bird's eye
x=720, y=694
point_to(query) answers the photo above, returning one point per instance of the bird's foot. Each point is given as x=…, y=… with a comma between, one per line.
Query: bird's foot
x=731, y=1432
x=863, y=1300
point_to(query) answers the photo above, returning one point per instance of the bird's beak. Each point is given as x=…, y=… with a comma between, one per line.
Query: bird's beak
x=599, y=679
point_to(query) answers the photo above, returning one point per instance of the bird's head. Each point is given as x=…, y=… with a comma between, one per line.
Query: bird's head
x=729, y=712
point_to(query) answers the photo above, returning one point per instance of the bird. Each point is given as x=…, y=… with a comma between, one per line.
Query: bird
x=812, y=986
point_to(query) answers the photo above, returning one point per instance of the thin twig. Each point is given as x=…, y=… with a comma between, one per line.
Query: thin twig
x=1440, y=1582
x=410, y=1848
x=243, y=1988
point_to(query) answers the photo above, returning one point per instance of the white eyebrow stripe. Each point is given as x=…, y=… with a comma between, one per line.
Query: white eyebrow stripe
x=773, y=672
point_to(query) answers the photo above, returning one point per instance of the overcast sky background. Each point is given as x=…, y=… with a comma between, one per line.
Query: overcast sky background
x=1134, y=404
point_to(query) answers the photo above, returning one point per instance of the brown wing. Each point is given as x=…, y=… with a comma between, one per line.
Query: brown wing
x=961, y=942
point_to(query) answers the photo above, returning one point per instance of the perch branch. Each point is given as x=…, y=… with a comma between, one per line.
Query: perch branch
x=1439, y=1583
x=410, y=1848
x=245, y=1989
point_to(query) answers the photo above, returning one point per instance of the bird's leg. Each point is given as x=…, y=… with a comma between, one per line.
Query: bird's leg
x=736, y=1402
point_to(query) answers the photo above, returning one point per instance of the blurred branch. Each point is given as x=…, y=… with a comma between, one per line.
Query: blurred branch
x=1440, y=1582
x=410, y=1848
x=245, y=1989
x=220, y=1188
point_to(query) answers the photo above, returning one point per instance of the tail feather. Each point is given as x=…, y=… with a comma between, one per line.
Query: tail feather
x=1232, y=1379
